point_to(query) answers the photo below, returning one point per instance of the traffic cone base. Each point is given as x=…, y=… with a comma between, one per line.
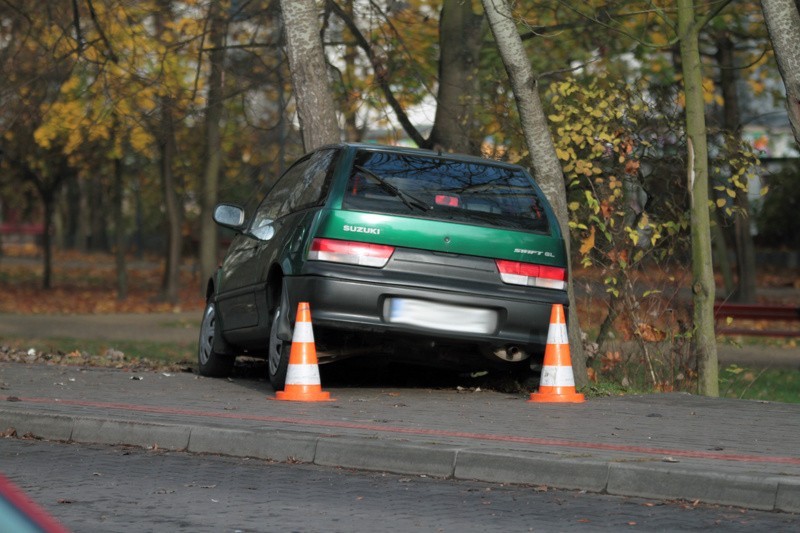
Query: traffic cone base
x=557, y=395
x=557, y=383
x=302, y=374
x=303, y=393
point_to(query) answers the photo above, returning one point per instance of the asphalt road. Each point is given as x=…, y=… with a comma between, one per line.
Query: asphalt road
x=660, y=446
x=120, y=489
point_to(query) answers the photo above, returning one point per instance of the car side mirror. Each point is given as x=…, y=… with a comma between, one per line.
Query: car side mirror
x=229, y=216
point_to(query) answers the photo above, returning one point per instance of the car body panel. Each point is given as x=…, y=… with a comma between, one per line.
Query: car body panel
x=441, y=284
x=440, y=236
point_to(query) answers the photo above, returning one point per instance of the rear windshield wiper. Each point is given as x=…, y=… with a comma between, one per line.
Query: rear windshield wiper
x=408, y=199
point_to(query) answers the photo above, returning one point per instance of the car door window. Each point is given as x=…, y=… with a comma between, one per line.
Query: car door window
x=303, y=185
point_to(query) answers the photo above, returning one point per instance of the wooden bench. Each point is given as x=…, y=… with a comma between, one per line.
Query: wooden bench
x=770, y=313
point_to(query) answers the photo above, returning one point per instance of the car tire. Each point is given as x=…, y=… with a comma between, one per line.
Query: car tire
x=210, y=362
x=279, y=350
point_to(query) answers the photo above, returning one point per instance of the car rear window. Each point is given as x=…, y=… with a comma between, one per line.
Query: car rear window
x=445, y=189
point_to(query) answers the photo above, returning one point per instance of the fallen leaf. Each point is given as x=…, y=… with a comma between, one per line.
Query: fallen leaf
x=649, y=333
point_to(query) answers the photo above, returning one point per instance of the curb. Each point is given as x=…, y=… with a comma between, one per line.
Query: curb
x=655, y=480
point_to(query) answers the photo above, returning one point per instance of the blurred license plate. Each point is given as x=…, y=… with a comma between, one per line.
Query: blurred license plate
x=439, y=316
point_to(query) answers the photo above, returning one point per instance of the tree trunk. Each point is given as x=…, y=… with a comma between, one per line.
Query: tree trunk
x=48, y=201
x=209, y=241
x=169, y=185
x=98, y=238
x=745, y=251
x=719, y=244
x=540, y=145
x=783, y=24
x=460, y=38
x=72, y=215
x=119, y=231
x=352, y=99
x=171, y=205
x=315, y=109
x=82, y=228
x=703, y=288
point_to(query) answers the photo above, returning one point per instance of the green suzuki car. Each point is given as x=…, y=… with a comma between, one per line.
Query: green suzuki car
x=405, y=254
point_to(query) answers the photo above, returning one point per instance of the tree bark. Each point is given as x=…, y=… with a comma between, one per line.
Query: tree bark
x=98, y=221
x=460, y=38
x=745, y=251
x=120, y=245
x=313, y=96
x=703, y=288
x=48, y=190
x=783, y=24
x=172, y=206
x=542, y=151
x=352, y=99
x=209, y=241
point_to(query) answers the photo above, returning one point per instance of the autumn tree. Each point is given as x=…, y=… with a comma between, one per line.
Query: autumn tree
x=35, y=48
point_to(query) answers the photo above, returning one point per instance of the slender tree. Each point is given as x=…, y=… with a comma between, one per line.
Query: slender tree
x=540, y=145
x=209, y=241
x=167, y=149
x=731, y=120
x=703, y=288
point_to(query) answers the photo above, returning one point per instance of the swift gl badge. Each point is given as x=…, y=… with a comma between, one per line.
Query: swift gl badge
x=361, y=229
x=533, y=252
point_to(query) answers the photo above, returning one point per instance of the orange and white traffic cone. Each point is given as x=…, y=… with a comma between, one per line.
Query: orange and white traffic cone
x=557, y=382
x=302, y=374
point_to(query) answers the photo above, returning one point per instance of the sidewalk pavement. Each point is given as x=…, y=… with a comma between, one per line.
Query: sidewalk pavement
x=664, y=446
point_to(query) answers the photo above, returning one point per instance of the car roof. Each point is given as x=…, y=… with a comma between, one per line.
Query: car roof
x=422, y=152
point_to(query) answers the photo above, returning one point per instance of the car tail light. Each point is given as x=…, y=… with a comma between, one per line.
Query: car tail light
x=350, y=252
x=516, y=273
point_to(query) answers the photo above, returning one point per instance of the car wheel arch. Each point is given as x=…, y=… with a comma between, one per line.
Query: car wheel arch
x=278, y=296
x=210, y=289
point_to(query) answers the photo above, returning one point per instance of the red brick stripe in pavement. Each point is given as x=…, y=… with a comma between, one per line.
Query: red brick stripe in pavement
x=741, y=458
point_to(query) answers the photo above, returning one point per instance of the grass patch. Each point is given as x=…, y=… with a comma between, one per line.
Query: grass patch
x=767, y=384
x=743, y=383
x=602, y=388
x=97, y=350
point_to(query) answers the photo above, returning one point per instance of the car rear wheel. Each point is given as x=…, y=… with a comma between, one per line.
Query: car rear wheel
x=209, y=362
x=278, y=360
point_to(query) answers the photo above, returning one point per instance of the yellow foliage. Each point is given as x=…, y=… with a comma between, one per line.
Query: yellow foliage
x=709, y=92
x=588, y=243
x=141, y=140
x=756, y=86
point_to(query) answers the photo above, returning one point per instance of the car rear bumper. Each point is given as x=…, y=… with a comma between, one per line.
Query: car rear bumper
x=472, y=313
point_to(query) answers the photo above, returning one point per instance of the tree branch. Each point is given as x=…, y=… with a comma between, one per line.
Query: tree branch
x=713, y=13
x=615, y=29
x=76, y=21
x=111, y=54
x=381, y=76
